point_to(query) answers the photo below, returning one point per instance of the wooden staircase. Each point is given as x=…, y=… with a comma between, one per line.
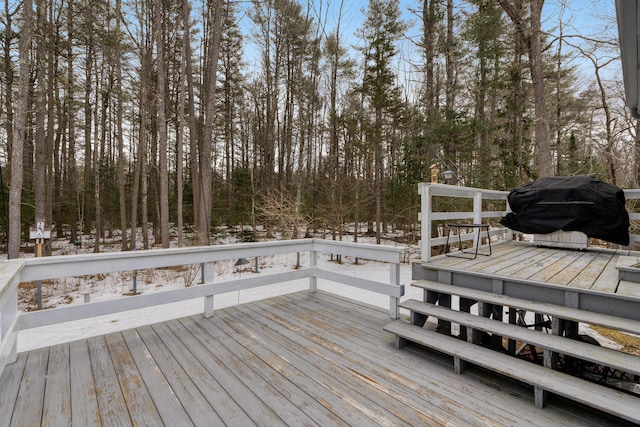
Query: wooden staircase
x=467, y=347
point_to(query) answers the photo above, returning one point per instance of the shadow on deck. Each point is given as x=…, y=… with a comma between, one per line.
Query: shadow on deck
x=310, y=359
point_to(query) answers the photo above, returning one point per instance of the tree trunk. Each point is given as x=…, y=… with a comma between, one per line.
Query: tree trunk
x=543, y=146
x=8, y=80
x=135, y=188
x=213, y=50
x=19, y=134
x=162, y=127
x=88, y=164
x=180, y=125
x=59, y=148
x=40, y=106
x=72, y=186
x=119, y=131
x=100, y=136
x=532, y=40
x=193, y=137
x=52, y=91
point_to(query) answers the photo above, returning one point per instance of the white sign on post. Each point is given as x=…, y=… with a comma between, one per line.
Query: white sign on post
x=39, y=231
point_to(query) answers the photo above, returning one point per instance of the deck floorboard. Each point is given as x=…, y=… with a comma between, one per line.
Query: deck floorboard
x=593, y=269
x=304, y=359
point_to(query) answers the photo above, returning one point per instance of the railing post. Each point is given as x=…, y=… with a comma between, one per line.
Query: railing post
x=477, y=215
x=208, y=269
x=509, y=235
x=313, y=263
x=425, y=219
x=394, y=279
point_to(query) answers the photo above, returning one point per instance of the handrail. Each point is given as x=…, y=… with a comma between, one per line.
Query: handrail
x=428, y=191
x=13, y=272
x=9, y=280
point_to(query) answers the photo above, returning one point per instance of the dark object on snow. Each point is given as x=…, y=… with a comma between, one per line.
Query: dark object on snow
x=575, y=203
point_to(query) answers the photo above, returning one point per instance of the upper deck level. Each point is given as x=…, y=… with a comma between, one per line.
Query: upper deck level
x=589, y=279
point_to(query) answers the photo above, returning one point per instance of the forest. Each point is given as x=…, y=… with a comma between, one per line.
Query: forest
x=163, y=120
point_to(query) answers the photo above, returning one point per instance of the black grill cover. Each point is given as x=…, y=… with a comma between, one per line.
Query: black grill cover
x=575, y=203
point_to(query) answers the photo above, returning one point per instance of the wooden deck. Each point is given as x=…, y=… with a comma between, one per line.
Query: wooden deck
x=300, y=360
x=593, y=269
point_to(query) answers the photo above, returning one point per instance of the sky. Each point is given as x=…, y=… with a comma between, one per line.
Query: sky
x=586, y=17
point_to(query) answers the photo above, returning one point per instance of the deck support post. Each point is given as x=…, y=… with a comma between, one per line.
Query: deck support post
x=465, y=306
x=539, y=396
x=394, y=279
x=400, y=342
x=484, y=310
x=458, y=365
x=313, y=263
x=208, y=269
x=511, y=347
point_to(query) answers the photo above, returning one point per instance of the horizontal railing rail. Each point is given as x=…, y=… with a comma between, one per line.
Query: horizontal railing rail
x=14, y=272
x=429, y=192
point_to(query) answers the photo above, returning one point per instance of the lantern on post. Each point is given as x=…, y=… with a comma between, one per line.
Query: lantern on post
x=448, y=177
x=434, y=172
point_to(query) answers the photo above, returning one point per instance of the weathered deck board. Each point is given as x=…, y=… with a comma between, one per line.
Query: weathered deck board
x=84, y=402
x=110, y=399
x=136, y=396
x=236, y=404
x=534, y=261
x=593, y=269
x=516, y=258
x=228, y=409
x=629, y=288
x=196, y=405
x=257, y=365
x=497, y=251
x=575, y=269
x=609, y=277
x=407, y=390
x=11, y=380
x=246, y=386
x=398, y=407
x=169, y=407
x=554, y=264
x=300, y=360
x=28, y=409
x=57, y=397
x=403, y=375
x=299, y=370
x=84, y=399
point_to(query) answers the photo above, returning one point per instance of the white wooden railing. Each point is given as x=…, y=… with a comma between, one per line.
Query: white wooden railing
x=429, y=192
x=13, y=272
x=429, y=213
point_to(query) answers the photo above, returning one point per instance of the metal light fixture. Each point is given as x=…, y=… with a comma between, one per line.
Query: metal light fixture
x=448, y=177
